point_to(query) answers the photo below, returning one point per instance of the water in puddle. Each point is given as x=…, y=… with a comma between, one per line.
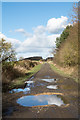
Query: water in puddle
x=40, y=100
x=25, y=90
x=32, y=78
x=52, y=87
x=49, y=80
x=29, y=82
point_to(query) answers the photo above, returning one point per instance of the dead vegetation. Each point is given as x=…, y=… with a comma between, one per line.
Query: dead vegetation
x=13, y=70
x=67, y=54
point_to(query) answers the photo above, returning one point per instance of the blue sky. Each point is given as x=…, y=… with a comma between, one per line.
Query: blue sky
x=26, y=22
x=29, y=15
x=40, y=0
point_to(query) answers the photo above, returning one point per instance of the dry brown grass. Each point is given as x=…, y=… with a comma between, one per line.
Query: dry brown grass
x=67, y=55
x=13, y=71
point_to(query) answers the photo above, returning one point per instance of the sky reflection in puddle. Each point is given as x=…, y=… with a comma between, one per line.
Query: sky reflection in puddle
x=49, y=80
x=40, y=100
x=25, y=90
x=52, y=87
x=29, y=82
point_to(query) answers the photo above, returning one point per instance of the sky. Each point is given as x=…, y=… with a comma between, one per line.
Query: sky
x=32, y=27
x=40, y=0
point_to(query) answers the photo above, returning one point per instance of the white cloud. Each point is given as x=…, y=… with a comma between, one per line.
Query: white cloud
x=54, y=100
x=26, y=34
x=16, y=43
x=37, y=45
x=40, y=43
x=39, y=30
x=52, y=39
x=2, y=36
x=20, y=30
x=56, y=25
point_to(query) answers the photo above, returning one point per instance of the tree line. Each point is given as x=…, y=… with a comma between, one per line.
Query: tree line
x=67, y=43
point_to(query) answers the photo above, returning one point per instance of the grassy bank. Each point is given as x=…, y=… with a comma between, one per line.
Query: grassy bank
x=20, y=80
x=66, y=58
x=62, y=72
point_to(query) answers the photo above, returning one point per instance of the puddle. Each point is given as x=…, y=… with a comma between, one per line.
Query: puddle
x=52, y=87
x=25, y=90
x=31, y=78
x=40, y=100
x=29, y=82
x=49, y=80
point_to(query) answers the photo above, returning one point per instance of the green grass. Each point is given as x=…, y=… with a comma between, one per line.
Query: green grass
x=58, y=70
x=20, y=81
x=54, y=68
x=35, y=69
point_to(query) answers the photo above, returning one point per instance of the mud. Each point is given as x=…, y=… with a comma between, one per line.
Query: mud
x=67, y=89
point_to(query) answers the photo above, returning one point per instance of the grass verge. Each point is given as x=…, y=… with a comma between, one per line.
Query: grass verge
x=62, y=73
x=20, y=81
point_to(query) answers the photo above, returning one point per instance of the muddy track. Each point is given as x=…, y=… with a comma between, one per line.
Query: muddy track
x=67, y=87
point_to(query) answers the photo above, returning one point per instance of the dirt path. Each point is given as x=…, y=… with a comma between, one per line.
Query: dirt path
x=66, y=86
